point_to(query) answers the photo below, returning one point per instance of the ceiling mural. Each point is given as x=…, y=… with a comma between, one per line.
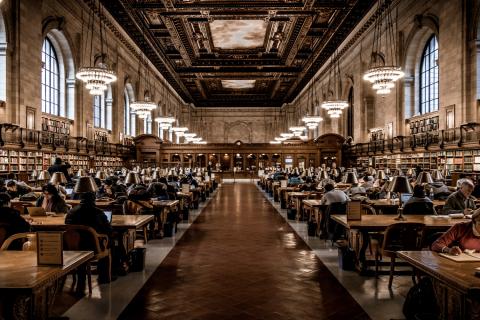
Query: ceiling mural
x=243, y=53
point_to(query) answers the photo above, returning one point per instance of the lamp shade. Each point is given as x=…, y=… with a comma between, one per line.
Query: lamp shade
x=351, y=178
x=411, y=172
x=155, y=175
x=44, y=175
x=101, y=175
x=323, y=175
x=82, y=173
x=132, y=178
x=58, y=178
x=85, y=184
x=437, y=175
x=91, y=171
x=400, y=184
x=381, y=175
x=399, y=172
x=34, y=174
x=143, y=172
x=424, y=177
x=387, y=171
x=446, y=173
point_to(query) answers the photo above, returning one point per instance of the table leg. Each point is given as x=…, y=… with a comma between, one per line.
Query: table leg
x=362, y=266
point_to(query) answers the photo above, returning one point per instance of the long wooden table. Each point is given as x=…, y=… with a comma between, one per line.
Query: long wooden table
x=296, y=198
x=376, y=223
x=125, y=226
x=100, y=204
x=27, y=290
x=164, y=207
x=456, y=288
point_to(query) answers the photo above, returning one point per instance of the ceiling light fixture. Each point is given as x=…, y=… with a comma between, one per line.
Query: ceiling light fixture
x=335, y=106
x=383, y=72
x=96, y=78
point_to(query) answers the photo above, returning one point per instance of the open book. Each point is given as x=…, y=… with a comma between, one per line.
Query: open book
x=463, y=257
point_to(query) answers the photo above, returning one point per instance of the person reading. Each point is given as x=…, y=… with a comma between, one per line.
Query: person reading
x=461, y=201
x=460, y=237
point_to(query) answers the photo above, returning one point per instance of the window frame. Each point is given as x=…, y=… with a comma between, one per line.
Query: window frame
x=429, y=77
x=48, y=75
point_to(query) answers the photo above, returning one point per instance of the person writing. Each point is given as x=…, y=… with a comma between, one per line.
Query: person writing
x=51, y=200
x=461, y=201
x=462, y=236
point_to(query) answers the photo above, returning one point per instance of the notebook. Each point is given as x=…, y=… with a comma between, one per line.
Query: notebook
x=36, y=212
x=109, y=216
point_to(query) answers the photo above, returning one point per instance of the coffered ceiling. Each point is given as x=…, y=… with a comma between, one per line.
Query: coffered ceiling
x=243, y=53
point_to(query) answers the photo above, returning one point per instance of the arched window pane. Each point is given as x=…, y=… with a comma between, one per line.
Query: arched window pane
x=148, y=124
x=429, y=77
x=98, y=111
x=130, y=117
x=50, y=79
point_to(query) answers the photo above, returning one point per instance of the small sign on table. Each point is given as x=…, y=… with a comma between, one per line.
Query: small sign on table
x=49, y=248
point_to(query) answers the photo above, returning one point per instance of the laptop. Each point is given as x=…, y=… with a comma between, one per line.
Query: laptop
x=69, y=191
x=36, y=212
x=109, y=216
x=404, y=197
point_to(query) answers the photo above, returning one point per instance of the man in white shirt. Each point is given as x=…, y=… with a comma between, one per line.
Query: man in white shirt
x=333, y=195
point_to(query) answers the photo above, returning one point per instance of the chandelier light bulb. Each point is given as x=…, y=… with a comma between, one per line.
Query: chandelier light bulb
x=96, y=79
x=286, y=135
x=383, y=78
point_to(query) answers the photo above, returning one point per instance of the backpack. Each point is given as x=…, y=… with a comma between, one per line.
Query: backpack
x=421, y=300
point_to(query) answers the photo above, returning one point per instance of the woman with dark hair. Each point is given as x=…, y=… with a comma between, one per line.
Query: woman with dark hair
x=51, y=200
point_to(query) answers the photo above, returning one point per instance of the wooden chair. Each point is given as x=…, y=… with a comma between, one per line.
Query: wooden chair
x=83, y=238
x=402, y=236
x=28, y=239
x=3, y=232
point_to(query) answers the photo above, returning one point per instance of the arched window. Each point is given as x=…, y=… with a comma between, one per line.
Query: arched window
x=429, y=77
x=129, y=116
x=50, y=79
x=58, y=76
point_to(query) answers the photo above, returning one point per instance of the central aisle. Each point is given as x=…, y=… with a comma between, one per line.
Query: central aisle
x=241, y=260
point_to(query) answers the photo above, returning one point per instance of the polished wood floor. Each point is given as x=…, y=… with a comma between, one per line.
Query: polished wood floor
x=241, y=260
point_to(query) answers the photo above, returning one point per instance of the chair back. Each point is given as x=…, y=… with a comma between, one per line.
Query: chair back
x=368, y=210
x=3, y=232
x=26, y=241
x=83, y=238
x=425, y=208
x=330, y=226
x=403, y=236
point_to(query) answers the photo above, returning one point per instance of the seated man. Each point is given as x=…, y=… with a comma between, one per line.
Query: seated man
x=87, y=214
x=462, y=178
x=15, y=190
x=11, y=217
x=51, y=200
x=419, y=203
x=461, y=200
x=461, y=236
x=333, y=195
x=356, y=189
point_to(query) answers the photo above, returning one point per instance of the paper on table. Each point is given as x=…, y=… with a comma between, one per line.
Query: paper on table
x=463, y=257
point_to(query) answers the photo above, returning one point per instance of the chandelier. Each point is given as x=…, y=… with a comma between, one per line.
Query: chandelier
x=334, y=107
x=143, y=108
x=96, y=78
x=286, y=135
x=297, y=131
x=280, y=139
x=189, y=135
x=165, y=122
x=275, y=142
x=383, y=74
x=311, y=122
x=179, y=131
